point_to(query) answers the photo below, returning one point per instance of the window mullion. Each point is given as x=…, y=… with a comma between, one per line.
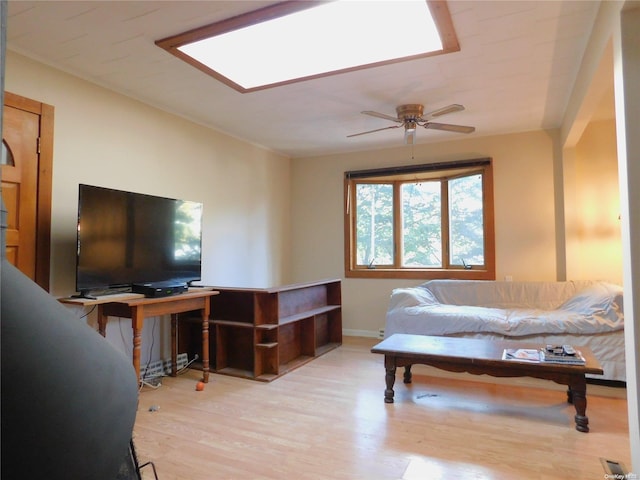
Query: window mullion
x=352, y=225
x=397, y=226
x=444, y=195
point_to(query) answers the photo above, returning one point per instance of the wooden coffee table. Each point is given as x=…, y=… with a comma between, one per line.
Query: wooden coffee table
x=484, y=357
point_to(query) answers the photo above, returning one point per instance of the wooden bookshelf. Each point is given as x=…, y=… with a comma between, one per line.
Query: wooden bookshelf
x=264, y=333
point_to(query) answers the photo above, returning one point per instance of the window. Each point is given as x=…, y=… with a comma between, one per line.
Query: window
x=421, y=221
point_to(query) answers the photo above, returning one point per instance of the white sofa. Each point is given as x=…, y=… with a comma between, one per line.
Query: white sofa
x=576, y=313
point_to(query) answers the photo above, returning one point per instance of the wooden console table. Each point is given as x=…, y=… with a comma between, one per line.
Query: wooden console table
x=137, y=308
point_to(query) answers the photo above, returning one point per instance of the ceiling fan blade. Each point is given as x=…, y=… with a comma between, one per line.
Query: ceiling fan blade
x=454, y=107
x=449, y=128
x=382, y=115
x=371, y=131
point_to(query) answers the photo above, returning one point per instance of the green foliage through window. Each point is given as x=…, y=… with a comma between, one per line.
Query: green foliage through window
x=374, y=224
x=421, y=224
x=466, y=220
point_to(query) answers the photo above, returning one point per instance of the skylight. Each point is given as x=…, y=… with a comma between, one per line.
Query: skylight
x=292, y=41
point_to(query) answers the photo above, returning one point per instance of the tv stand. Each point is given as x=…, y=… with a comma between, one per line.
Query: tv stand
x=137, y=308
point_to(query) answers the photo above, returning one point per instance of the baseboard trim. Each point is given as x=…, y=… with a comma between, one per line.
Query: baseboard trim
x=360, y=333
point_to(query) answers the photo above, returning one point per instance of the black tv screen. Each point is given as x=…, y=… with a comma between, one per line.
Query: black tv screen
x=126, y=238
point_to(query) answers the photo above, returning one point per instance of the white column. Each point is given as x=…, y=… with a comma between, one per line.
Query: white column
x=627, y=98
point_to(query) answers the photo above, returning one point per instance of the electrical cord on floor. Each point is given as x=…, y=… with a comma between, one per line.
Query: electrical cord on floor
x=184, y=369
x=146, y=382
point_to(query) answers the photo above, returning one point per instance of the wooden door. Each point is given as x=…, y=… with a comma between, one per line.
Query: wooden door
x=26, y=185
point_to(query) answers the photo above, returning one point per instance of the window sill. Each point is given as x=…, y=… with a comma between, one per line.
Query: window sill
x=458, y=274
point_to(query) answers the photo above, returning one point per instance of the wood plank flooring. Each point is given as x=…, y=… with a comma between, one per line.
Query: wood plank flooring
x=328, y=420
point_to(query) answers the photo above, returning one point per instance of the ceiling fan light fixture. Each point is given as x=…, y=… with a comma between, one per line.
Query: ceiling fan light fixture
x=410, y=137
x=410, y=126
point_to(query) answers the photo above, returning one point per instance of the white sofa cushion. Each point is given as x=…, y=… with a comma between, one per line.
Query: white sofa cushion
x=445, y=307
x=481, y=293
x=600, y=299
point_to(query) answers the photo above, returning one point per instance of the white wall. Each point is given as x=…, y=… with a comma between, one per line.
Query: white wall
x=524, y=214
x=594, y=245
x=103, y=138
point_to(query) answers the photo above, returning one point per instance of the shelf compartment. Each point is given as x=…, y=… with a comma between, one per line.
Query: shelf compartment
x=234, y=348
x=266, y=359
x=308, y=313
x=295, y=340
x=266, y=336
x=328, y=328
x=327, y=347
x=233, y=304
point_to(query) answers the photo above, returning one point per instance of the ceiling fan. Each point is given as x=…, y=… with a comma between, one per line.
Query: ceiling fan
x=411, y=116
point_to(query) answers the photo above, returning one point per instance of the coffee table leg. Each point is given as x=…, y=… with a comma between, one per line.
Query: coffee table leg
x=407, y=374
x=578, y=395
x=390, y=378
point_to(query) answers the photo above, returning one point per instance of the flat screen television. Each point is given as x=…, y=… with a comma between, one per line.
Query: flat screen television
x=125, y=238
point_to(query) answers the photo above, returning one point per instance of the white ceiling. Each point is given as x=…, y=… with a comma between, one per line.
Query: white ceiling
x=515, y=70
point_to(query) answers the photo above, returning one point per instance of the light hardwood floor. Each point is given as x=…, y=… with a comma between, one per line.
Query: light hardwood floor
x=328, y=420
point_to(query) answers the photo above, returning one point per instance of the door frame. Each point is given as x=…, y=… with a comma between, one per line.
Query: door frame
x=44, y=182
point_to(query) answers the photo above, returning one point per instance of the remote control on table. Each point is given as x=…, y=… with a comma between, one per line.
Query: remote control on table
x=555, y=349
